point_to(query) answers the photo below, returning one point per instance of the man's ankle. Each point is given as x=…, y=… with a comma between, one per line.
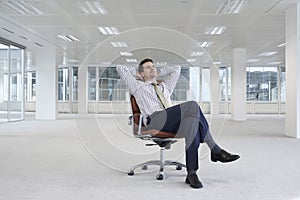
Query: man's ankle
x=192, y=172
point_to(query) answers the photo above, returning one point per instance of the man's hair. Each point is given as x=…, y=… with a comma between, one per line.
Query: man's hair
x=141, y=68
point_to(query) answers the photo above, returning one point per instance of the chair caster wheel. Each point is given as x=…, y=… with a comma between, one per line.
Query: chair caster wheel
x=160, y=177
x=145, y=167
x=130, y=173
x=178, y=168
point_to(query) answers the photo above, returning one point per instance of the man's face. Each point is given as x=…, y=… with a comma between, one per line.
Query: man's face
x=149, y=71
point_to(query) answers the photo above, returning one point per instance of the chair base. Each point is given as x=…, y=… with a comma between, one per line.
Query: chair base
x=160, y=175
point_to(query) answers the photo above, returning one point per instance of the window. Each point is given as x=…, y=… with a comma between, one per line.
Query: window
x=92, y=83
x=106, y=85
x=225, y=83
x=282, y=84
x=11, y=81
x=30, y=86
x=205, y=82
x=182, y=86
x=262, y=83
x=75, y=83
x=63, y=84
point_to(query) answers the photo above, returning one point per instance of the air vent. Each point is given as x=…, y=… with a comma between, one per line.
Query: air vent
x=38, y=44
x=8, y=30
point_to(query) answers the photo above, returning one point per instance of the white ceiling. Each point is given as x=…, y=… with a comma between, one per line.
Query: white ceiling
x=167, y=30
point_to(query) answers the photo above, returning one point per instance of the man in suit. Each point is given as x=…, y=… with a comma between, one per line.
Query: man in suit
x=184, y=120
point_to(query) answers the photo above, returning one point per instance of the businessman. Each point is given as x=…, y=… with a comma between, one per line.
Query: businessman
x=184, y=120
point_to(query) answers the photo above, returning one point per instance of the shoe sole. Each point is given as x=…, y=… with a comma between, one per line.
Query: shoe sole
x=193, y=186
x=215, y=160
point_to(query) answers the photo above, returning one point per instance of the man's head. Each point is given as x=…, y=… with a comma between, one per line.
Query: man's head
x=147, y=69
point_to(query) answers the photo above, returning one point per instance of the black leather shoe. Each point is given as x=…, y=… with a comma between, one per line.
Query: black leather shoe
x=223, y=156
x=193, y=180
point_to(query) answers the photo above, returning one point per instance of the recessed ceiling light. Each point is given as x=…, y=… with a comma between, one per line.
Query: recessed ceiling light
x=161, y=63
x=268, y=53
x=197, y=53
x=253, y=60
x=205, y=44
x=131, y=60
x=231, y=6
x=69, y=38
x=118, y=44
x=282, y=45
x=217, y=63
x=274, y=63
x=216, y=30
x=91, y=7
x=126, y=53
x=23, y=7
x=108, y=30
x=191, y=60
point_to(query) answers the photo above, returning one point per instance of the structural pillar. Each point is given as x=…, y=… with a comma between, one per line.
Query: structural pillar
x=292, y=57
x=215, y=90
x=82, y=90
x=238, y=85
x=46, y=84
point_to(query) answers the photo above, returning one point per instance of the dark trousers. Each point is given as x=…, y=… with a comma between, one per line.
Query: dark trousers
x=188, y=121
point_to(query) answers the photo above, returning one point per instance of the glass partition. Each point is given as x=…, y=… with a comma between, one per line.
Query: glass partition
x=16, y=84
x=3, y=82
x=11, y=81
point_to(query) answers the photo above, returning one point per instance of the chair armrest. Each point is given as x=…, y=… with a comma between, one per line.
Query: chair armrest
x=131, y=121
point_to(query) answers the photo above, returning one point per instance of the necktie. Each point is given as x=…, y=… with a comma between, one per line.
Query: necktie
x=160, y=96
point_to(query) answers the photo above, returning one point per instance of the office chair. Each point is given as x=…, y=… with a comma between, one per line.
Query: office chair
x=163, y=139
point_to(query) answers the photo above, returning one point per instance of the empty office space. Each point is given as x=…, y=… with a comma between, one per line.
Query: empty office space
x=66, y=124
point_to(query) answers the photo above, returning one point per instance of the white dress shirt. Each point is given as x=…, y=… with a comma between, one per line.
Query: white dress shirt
x=144, y=92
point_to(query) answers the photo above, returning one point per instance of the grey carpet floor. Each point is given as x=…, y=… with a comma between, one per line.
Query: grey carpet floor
x=87, y=157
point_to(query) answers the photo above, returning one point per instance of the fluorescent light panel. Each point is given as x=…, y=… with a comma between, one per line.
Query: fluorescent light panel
x=217, y=63
x=197, y=53
x=131, y=60
x=217, y=30
x=268, y=53
x=253, y=60
x=69, y=38
x=282, y=45
x=23, y=7
x=205, y=44
x=191, y=60
x=274, y=63
x=126, y=53
x=231, y=6
x=118, y=44
x=91, y=7
x=108, y=30
x=162, y=63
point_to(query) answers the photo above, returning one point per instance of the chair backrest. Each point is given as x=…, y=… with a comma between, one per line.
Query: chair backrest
x=136, y=120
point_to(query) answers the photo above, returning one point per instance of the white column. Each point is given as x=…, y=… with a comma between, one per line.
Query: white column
x=238, y=85
x=46, y=87
x=214, y=88
x=292, y=21
x=82, y=90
